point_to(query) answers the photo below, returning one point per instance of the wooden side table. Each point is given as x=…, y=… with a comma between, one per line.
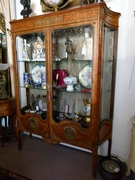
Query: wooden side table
x=7, y=109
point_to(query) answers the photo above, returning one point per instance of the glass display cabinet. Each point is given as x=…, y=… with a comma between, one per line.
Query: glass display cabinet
x=65, y=64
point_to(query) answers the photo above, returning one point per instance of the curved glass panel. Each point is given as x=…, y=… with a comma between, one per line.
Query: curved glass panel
x=108, y=73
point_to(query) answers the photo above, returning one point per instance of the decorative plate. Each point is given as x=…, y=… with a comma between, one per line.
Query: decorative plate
x=85, y=76
x=36, y=72
x=53, y=3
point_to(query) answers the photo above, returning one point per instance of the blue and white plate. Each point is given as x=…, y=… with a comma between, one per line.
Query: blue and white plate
x=36, y=72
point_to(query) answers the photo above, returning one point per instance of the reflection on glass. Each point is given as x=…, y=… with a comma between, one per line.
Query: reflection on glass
x=31, y=64
x=107, y=78
x=72, y=55
x=61, y=114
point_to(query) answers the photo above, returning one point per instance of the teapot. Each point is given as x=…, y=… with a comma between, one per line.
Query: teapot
x=58, y=77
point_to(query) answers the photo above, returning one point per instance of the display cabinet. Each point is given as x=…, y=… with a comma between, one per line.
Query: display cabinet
x=64, y=65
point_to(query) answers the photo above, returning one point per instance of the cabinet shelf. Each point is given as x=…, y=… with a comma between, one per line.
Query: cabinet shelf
x=57, y=61
x=74, y=60
x=31, y=61
x=82, y=91
x=36, y=88
x=68, y=117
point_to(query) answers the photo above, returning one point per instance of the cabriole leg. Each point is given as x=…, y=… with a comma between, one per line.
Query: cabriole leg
x=94, y=164
x=18, y=132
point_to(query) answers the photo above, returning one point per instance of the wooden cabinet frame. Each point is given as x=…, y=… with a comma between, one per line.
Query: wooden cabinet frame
x=100, y=130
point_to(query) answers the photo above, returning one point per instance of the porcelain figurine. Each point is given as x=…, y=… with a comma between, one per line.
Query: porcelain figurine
x=87, y=47
x=96, y=1
x=69, y=47
x=82, y=2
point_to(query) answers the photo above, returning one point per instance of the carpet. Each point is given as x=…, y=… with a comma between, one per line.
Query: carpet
x=9, y=175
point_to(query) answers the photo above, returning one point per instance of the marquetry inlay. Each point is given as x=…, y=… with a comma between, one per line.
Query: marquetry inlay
x=81, y=16
x=23, y=26
x=45, y=21
x=33, y=123
x=70, y=132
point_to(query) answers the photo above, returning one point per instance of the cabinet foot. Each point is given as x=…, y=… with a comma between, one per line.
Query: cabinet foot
x=18, y=139
x=94, y=164
x=109, y=146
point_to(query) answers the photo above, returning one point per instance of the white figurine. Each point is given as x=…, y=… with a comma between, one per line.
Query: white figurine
x=87, y=47
x=26, y=53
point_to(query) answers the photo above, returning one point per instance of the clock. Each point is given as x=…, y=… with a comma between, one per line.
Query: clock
x=55, y=4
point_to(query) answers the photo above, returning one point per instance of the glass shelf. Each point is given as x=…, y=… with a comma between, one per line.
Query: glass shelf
x=37, y=88
x=26, y=110
x=31, y=61
x=85, y=91
x=67, y=117
x=78, y=60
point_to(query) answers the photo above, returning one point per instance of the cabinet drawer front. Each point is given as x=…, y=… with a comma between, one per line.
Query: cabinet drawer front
x=34, y=124
x=70, y=133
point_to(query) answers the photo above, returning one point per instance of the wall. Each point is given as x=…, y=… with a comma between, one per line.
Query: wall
x=125, y=78
x=125, y=83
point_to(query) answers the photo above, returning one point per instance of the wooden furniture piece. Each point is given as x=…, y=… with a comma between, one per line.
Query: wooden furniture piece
x=80, y=44
x=7, y=110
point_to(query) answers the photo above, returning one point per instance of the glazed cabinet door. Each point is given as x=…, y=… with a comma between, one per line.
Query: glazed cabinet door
x=72, y=69
x=108, y=73
x=31, y=81
x=109, y=57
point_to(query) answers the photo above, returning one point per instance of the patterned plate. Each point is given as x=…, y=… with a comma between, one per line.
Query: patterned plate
x=36, y=72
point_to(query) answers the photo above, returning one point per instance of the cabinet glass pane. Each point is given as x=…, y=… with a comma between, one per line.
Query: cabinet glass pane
x=108, y=68
x=31, y=65
x=72, y=55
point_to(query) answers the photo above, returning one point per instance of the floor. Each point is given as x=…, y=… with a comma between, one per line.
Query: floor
x=41, y=161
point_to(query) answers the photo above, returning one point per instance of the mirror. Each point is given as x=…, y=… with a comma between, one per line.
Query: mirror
x=5, y=84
